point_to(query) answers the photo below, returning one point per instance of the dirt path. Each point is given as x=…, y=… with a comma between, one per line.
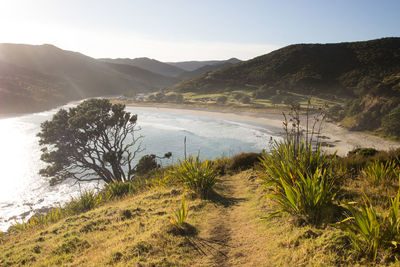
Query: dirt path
x=232, y=228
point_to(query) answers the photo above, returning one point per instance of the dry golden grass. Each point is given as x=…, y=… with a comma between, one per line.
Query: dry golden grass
x=126, y=232
x=226, y=230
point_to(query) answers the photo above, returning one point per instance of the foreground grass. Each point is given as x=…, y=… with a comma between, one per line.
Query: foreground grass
x=121, y=232
x=229, y=228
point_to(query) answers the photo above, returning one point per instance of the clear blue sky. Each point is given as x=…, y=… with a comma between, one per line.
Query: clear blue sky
x=172, y=30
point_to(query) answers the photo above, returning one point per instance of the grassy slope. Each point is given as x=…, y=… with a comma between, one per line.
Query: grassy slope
x=105, y=236
x=230, y=230
x=196, y=100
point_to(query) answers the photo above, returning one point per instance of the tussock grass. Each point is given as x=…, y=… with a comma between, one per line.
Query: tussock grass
x=120, y=189
x=195, y=175
x=378, y=172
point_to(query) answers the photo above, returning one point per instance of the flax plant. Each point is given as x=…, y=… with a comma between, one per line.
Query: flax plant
x=180, y=215
x=364, y=228
x=195, y=175
x=379, y=172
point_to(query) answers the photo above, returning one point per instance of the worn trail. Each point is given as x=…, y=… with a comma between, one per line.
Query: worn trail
x=232, y=229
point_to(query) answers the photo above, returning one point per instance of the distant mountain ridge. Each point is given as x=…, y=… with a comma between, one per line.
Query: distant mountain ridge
x=194, y=65
x=38, y=77
x=148, y=64
x=204, y=69
x=182, y=70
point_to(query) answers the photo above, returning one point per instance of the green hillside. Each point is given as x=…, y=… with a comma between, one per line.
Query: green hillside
x=147, y=64
x=194, y=65
x=308, y=68
x=365, y=74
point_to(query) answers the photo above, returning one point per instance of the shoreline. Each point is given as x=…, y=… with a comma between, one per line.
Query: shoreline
x=334, y=137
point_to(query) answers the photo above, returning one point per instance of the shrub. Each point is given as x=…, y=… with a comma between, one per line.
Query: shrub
x=276, y=99
x=221, y=165
x=286, y=159
x=379, y=172
x=238, y=96
x=146, y=164
x=391, y=122
x=52, y=216
x=306, y=196
x=119, y=189
x=363, y=152
x=264, y=92
x=222, y=99
x=244, y=161
x=290, y=100
x=196, y=175
x=359, y=158
x=301, y=180
x=87, y=200
x=336, y=112
x=245, y=99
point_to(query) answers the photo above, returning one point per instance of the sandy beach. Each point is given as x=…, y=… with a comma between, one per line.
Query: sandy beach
x=336, y=137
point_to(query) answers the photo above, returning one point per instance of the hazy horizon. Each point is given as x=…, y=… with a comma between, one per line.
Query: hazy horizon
x=188, y=30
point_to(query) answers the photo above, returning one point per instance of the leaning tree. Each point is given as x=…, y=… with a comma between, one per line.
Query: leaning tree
x=94, y=141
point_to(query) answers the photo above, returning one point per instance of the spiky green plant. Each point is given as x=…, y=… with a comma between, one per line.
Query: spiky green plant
x=379, y=172
x=194, y=174
x=119, y=189
x=301, y=179
x=54, y=215
x=285, y=159
x=392, y=222
x=87, y=200
x=305, y=196
x=159, y=180
x=364, y=228
x=180, y=215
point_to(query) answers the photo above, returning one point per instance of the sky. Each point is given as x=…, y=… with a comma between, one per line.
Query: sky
x=180, y=30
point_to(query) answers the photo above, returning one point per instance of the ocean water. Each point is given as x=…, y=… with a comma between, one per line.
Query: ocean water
x=23, y=192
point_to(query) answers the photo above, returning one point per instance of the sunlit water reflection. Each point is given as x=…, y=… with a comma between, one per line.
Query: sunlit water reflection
x=23, y=192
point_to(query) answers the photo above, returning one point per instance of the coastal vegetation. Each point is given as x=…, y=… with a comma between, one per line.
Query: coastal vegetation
x=94, y=141
x=292, y=204
x=292, y=198
x=358, y=80
x=361, y=77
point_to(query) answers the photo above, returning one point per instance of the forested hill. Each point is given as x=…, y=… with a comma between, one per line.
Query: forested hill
x=34, y=78
x=147, y=64
x=335, y=69
x=195, y=65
